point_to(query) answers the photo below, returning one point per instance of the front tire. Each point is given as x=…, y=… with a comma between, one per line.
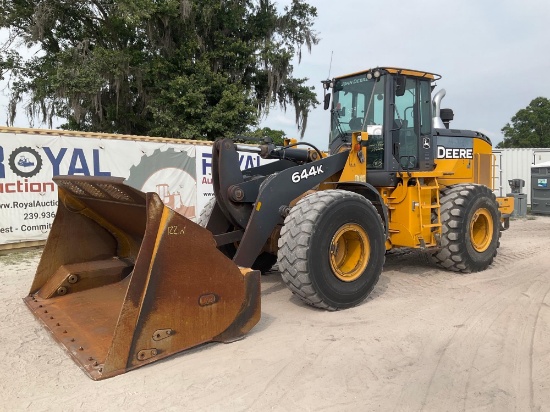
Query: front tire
x=332, y=249
x=470, y=228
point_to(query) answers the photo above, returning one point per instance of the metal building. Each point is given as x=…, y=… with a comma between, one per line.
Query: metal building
x=516, y=164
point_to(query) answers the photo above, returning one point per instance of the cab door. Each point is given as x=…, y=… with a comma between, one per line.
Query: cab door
x=412, y=125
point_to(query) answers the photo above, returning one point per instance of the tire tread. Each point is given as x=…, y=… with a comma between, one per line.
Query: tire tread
x=294, y=244
x=454, y=202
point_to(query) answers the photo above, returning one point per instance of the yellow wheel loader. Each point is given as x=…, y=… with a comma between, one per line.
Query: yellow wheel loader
x=125, y=281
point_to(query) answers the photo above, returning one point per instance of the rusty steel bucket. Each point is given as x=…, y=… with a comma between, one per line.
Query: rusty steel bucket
x=125, y=281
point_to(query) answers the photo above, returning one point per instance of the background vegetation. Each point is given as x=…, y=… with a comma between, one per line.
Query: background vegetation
x=195, y=69
x=530, y=127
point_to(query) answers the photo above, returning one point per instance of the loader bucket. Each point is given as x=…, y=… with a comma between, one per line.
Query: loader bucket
x=125, y=281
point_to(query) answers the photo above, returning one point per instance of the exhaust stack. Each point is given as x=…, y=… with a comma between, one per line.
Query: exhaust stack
x=437, y=123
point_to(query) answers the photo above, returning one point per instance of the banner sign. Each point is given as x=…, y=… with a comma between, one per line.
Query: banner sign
x=28, y=196
x=180, y=173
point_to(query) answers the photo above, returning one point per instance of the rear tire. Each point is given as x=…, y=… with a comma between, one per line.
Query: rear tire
x=470, y=228
x=332, y=249
x=263, y=263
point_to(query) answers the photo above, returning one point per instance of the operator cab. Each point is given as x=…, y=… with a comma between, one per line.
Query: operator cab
x=394, y=107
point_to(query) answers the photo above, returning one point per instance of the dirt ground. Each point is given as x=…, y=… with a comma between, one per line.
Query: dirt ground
x=425, y=339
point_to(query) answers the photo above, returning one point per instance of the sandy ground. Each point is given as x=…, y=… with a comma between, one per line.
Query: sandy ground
x=425, y=339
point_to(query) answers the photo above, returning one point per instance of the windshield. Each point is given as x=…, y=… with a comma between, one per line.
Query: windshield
x=357, y=103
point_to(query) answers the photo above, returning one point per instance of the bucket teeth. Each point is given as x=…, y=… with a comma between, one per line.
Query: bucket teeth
x=143, y=283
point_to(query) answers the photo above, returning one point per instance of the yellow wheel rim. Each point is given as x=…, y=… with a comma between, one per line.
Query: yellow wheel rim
x=481, y=230
x=349, y=252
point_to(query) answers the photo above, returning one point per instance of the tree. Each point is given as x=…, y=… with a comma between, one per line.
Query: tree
x=530, y=127
x=276, y=136
x=177, y=68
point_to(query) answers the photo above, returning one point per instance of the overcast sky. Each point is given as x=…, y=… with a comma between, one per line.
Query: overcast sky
x=494, y=56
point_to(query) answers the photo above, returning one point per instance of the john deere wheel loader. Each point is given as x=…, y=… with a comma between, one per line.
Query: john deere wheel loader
x=125, y=281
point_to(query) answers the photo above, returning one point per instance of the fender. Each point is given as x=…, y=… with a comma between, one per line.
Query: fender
x=368, y=191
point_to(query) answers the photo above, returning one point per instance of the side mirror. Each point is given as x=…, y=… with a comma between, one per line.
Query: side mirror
x=327, y=101
x=400, y=85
